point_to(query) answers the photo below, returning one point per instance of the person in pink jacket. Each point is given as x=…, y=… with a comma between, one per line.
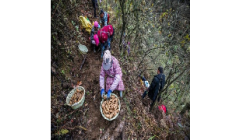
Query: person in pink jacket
x=111, y=69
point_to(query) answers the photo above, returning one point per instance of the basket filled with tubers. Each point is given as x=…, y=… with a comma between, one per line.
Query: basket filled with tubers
x=76, y=97
x=110, y=108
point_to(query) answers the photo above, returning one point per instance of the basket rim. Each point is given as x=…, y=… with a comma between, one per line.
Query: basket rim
x=83, y=49
x=116, y=114
x=73, y=90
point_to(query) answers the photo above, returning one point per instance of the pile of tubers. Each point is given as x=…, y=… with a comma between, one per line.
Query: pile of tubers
x=77, y=96
x=110, y=108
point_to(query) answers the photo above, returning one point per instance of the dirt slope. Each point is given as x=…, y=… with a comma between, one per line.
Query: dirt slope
x=87, y=122
x=88, y=116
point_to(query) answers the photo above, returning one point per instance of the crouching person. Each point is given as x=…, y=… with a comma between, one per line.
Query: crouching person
x=94, y=31
x=111, y=69
x=104, y=18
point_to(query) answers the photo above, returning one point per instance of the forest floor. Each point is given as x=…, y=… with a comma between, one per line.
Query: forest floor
x=87, y=122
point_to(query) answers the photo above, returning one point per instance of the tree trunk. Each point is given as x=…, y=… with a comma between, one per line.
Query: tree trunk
x=186, y=107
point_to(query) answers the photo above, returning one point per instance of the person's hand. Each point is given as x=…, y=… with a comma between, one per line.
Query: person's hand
x=102, y=92
x=109, y=93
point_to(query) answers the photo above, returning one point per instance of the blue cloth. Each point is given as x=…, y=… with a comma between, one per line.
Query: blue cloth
x=104, y=19
x=102, y=45
x=102, y=91
x=109, y=93
x=109, y=43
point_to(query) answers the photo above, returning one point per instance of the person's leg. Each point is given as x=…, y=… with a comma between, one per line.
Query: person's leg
x=98, y=48
x=97, y=6
x=109, y=43
x=159, y=98
x=94, y=7
x=144, y=94
x=103, y=48
x=152, y=104
x=121, y=94
x=94, y=47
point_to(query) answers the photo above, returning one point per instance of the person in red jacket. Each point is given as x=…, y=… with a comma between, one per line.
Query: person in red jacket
x=105, y=35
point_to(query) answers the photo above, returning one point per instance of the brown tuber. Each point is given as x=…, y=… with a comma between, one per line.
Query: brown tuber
x=110, y=108
x=76, y=97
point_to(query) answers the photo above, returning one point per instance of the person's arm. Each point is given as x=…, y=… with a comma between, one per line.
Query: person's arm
x=101, y=79
x=100, y=21
x=105, y=19
x=117, y=77
x=105, y=23
x=115, y=82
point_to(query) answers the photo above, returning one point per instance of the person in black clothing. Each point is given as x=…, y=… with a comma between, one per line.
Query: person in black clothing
x=157, y=84
x=95, y=5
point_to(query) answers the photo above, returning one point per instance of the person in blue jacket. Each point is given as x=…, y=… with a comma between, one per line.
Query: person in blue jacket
x=157, y=84
x=104, y=18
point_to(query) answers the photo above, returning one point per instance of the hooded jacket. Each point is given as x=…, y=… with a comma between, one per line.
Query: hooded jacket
x=114, y=77
x=158, y=83
x=103, y=34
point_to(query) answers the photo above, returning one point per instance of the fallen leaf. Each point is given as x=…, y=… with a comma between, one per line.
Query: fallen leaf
x=89, y=121
x=79, y=83
x=64, y=131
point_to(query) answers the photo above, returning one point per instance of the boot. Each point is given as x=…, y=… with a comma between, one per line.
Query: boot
x=121, y=94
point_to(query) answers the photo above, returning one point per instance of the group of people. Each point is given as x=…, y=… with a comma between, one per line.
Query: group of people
x=101, y=37
x=102, y=34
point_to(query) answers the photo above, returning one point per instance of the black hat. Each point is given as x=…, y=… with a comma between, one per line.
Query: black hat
x=101, y=11
x=160, y=69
